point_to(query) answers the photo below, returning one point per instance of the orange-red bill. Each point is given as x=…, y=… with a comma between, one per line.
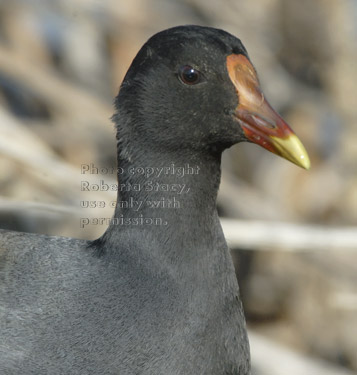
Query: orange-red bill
x=260, y=123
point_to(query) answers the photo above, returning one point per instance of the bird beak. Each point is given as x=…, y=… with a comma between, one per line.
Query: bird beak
x=260, y=123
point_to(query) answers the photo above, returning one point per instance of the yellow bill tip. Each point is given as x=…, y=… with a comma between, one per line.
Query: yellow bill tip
x=291, y=148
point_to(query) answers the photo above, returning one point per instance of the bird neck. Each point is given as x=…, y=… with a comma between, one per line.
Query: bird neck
x=168, y=196
x=166, y=215
x=166, y=189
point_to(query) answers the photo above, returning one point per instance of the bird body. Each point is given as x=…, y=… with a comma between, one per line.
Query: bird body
x=129, y=311
x=157, y=293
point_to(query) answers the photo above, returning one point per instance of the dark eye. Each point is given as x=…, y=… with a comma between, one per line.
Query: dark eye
x=189, y=75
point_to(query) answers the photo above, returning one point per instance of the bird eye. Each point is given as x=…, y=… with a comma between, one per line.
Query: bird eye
x=189, y=75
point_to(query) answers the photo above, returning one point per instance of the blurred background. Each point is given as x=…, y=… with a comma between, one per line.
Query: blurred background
x=292, y=232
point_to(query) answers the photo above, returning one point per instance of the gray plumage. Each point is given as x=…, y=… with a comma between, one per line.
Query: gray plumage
x=154, y=299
